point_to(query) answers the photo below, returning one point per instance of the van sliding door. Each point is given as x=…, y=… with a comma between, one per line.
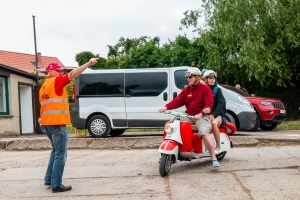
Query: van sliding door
x=146, y=90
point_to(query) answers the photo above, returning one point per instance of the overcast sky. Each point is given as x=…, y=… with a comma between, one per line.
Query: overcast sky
x=65, y=28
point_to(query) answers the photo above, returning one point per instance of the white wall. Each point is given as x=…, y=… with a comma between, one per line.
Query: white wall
x=12, y=122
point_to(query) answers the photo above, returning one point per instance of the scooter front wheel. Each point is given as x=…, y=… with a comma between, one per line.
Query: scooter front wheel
x=165, y=164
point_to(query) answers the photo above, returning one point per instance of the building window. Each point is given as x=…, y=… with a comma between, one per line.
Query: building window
x=4, y=106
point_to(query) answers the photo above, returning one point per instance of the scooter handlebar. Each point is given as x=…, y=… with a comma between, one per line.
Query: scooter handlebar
x=178, y=114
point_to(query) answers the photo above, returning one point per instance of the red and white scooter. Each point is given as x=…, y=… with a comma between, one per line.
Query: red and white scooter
x=181, y=142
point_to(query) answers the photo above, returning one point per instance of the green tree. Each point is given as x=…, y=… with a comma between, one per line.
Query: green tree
x=145, y=56
x=180, y=51
x=145, y=52
x=133, y=53
x=125, y=45
x=112, y=63
x=256, y=39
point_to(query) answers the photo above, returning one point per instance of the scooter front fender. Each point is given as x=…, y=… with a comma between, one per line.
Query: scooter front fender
x=169, y=147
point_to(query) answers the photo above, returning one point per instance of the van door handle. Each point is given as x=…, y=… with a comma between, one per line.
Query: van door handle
x=127, y=96
x=165, y=96
x=174, y=95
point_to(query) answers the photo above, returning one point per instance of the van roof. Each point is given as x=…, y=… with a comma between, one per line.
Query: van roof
x=91, y=71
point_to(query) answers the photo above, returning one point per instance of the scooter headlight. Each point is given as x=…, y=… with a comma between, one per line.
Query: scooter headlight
x=168, y=128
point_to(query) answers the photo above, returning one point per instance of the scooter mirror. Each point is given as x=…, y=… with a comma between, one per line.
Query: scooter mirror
x=206, y=110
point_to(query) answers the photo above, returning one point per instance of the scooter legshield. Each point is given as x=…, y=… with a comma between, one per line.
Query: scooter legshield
x=169, y=147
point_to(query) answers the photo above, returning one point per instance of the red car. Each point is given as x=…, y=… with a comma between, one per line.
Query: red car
x=269, y=112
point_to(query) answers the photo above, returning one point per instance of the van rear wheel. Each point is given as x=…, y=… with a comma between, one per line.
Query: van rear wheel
x=99, y=126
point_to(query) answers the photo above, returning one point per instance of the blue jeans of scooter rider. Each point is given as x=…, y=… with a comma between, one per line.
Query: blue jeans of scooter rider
x=59, y=140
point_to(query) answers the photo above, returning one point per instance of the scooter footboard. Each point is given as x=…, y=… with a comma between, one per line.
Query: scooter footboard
x=169, y=147
x=225, y=142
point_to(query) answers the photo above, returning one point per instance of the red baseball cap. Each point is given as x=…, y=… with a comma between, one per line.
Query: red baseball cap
x=55, y=66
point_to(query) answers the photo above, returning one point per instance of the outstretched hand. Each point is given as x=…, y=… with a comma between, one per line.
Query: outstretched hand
x=93, y=61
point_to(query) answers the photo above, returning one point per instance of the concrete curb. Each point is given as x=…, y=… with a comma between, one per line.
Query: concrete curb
x=129, y=143
x=86, y=143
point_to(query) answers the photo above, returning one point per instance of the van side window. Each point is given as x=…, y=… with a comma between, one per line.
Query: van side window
x=180, y=80
x=102, y=84
x=145, y=84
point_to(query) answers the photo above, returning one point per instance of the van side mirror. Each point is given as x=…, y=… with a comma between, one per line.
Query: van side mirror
x=206, y=110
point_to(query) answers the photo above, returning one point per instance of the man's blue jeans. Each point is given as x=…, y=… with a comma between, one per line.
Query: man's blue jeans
x=59, y=140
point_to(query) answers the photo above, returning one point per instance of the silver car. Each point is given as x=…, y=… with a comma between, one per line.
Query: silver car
x=239, y=110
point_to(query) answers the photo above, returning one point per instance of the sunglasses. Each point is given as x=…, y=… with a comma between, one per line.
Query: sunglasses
x=189, y=77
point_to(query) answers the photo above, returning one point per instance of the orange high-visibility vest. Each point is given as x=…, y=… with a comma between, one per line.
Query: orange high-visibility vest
x=54, y=109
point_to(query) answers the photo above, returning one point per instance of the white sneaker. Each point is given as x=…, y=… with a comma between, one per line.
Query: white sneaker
x=215, y=163
x=218, y=152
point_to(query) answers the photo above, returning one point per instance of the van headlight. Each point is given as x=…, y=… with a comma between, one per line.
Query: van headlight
x=168, y=128
x=243, y=100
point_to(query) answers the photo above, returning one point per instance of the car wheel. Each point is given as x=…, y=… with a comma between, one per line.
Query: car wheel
x=230, y=119
x=117, y=132
x=99, y=126
x=268, y=127
x=257, y=123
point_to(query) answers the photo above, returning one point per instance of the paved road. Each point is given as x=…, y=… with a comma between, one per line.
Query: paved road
x=145, y=140
x=245, y=173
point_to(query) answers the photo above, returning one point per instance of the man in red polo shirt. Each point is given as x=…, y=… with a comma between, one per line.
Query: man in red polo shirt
x=196, y=97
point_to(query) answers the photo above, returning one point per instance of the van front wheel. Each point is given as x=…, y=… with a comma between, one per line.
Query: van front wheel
x=99, y=126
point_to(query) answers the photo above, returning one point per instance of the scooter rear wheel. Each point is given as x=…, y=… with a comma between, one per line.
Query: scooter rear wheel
x=220, y=156
x=165, y=164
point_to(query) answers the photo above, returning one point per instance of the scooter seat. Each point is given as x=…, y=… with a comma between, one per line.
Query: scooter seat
x=194, y=129
x=228, y=125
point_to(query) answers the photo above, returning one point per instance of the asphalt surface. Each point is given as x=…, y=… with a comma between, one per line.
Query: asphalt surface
x=144, y=140
x=262, y=165
x=245, y=173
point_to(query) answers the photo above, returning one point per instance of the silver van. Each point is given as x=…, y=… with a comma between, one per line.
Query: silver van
x=110, y=101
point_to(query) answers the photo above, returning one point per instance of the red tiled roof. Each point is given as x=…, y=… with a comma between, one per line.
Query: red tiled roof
x=23, y=61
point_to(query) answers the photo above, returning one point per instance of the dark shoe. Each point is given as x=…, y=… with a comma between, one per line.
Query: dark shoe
x=47, y=183
x=62, y=188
